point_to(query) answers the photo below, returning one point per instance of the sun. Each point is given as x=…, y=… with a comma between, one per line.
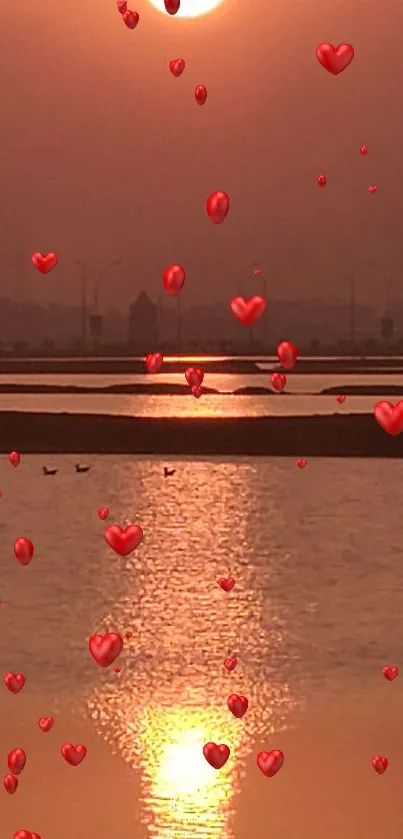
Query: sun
x=189, y=8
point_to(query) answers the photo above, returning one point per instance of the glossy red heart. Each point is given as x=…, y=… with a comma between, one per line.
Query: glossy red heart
x=173, y=279
x=322, y=181
x=46, y=723
x=335, y=59
x=287, y=354
x=230, y=664
x=131, y=19
x=24, y=550
x=248, y=311
x=172, y=6
x=14, y=458
x=238, y=705
x=380, y=764
x=103, y=513
x=270, y=762
x=302, y=464
x=26, y=834
x=226, y=583
x=44, y=262
x=200, y=94
x=16, y=761
x=74, y=755
x=390, y=673
x=154, y=362
x=278, y=381
x=10, y=784
x=105, y=648
x=341, y=399
x=363, y=150
x=14, y=682
x=122, y=6
x=177, y=66
x=123, y=540
x=372, y=189
x=194, y=376
x=216, y=755
x=217, y=207
x=390, y=417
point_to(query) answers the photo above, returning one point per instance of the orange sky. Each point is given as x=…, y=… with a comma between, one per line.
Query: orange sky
x=105, y=155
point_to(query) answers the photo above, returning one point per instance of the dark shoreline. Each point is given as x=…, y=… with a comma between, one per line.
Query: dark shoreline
x=172, y=389
x=353, y=435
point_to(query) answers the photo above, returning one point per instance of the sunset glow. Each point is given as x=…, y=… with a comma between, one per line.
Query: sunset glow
x=189, y=8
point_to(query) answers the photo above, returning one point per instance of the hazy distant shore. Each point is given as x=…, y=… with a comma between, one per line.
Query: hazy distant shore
x=354, y=435
x=173, y=389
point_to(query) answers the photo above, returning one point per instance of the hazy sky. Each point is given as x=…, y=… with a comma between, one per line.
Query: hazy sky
x=105, y=155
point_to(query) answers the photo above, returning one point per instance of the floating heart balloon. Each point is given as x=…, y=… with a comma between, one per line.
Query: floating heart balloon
x=278, y=381
x=131, y=19
x=103, y=513
x=105, y=648
x=10, y=784
x=226, y=583
x=216, y=755
x=177, y=66
x=341, y=399
x=380, y=764
x=24, y=550
x=230, y=664
x=238, y=705
x=363, y=150
x=122, y=6
x=26, y=834
x=372, y=189
x=172, y=6
x=14, y=682
x=302, y=464
x=173, y=280
x=390, y=673
x=200, y=94
x=44, y=262
x=74, y=755
x=390, y=417
x=46, y=723
x=194, y=376
x=217, y=207
x=16, y=761
x=270, y=762
x=123, y=540
x=154, y=362
x=287, y=354
x=14, y=458
x=248, y=311
x=335, y=59
x=322, y=180
x=196, y=391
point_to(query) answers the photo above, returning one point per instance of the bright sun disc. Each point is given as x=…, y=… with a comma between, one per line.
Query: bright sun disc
x=188, y=8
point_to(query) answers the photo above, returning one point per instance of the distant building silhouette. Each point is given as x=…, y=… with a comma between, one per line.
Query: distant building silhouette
x=143, y=324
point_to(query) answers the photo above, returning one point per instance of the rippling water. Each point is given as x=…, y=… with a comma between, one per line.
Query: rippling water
x=315, y=554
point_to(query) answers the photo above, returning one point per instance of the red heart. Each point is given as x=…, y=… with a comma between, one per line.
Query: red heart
x=390, y=417
x=14, y=682
x=103, y=513
x=341, y=399
x=105, y=648
x=216, y=755
x=335, y=59
x=270, y=762
x=10, y=784
x=194, y=376
x=26, y=834
x=226, y=583
x=238, y=705
x=123, y=540
x=278, y=381
x=390, y=673
x=154, y=362
x=45, y=723
x=24, y=550
x=302, y=463
x=131, y=19
x=44, y=262
x=248, y=311
x=177, y=66
x=16, y=761
x=380, y=764
x=73, y=754
x=230, y=664
x=14, y=458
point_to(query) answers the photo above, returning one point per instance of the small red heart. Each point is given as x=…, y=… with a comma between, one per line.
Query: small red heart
x=270, y=762
x=341, y=399
x=230, y=664
x=380, y=764
x=278, y=381
x=248, y=311
x=335, y=59
x=24, y=550
x=14, y=458
x=14, y=682
x=123, y=540
x=390, y=673
x=226, y=583
x=122, y=6
x=46, y=723
x=117, y=669
x=216, y=755
x=16, y=761
x=131, y=19
x=10, y=784
x=194, y=376
x=172, y=6
x=372, y=189
x=26, y=834
x=390, y=417
x=302, y=463
x=44, y=262
x=103, y=513
x=322, y=181
x=177, y=66
x=105, y=648
x=154, y=362
x=74, y=755
x=128, y=635
x=238, y=705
